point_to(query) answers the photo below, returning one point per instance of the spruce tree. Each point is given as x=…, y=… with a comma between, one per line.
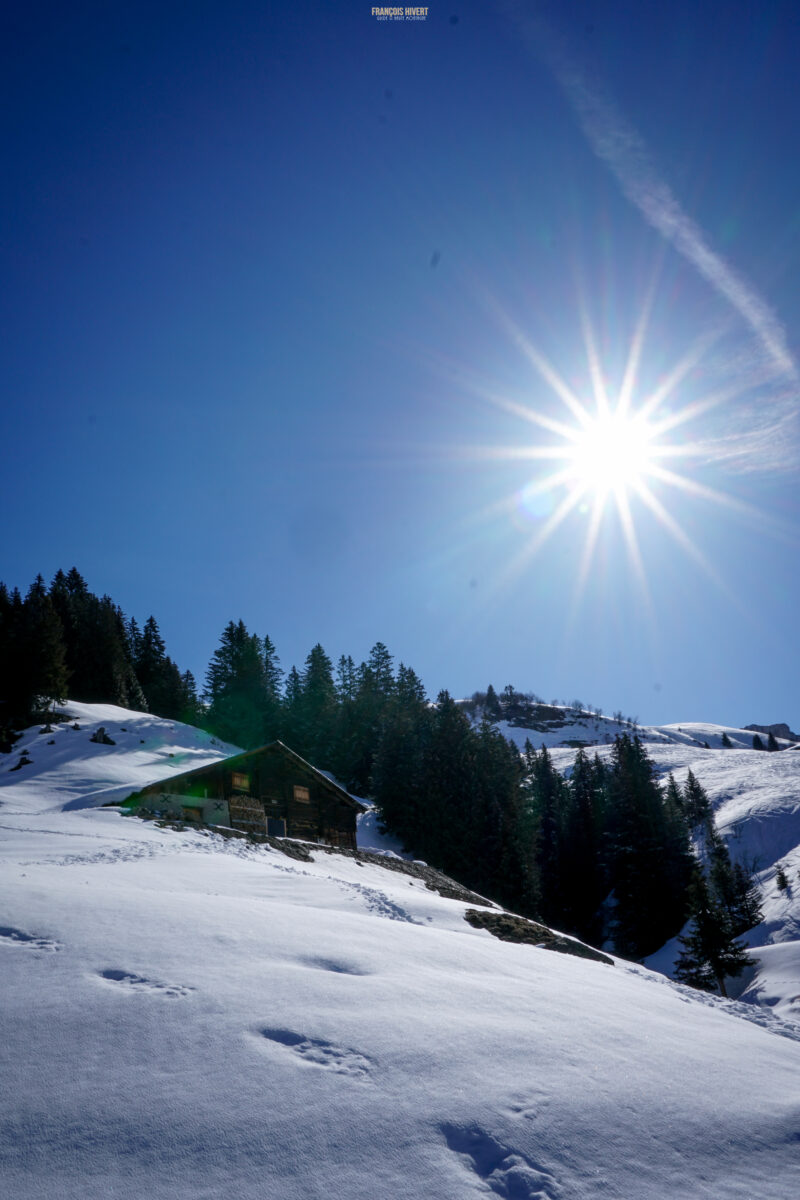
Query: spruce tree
x=746, y=911
x=550, y=803
x=585, y=882
x=710, y=952
x=650, y=858
x=492, y=704
x=311, y=709
x=235, y=687
x=43, y=648
x=696, y=804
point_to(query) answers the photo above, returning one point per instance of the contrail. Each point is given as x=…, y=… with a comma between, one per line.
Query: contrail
x=617, y=143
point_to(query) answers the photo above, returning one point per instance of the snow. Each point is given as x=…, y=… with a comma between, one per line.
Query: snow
x=190, y=1017
x=75, y=772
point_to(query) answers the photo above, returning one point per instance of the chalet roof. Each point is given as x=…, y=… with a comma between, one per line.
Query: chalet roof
x=271, y=748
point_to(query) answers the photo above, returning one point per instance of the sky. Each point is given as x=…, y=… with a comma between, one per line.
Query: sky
x=315, y=320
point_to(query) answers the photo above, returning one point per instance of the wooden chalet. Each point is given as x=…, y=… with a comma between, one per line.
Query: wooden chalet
x=267, y=791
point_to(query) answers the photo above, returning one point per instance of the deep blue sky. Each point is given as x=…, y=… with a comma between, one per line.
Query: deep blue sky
x=260, y=266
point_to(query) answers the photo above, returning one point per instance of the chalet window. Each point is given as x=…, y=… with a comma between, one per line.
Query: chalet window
x=240, y=782
x=301, y=794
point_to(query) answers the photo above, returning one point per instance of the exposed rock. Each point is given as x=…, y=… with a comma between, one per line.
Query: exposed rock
x=102, y=737
x=510, y=928
x=779, y=730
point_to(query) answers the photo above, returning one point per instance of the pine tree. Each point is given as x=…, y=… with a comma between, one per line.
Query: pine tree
x=150, y=665
x=550, y=803
x=365, y=698
x=710, y=952
x=491, y=705
x=650, y=858
x=43, y=648
x=398, y=773
x=772, y=743
x=346, y=684
x=311, y=709
x=757, y=742
x=235, y=687
x=726, y=741
x=33, y=669
x=500, y=864
x=696, y=804
x=585, y=883
x=674, y=795
x=746, y=911
x=192, y=711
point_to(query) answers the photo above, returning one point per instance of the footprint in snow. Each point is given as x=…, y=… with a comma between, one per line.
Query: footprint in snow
x=138, y=983
x=318, y=1053
x=505, y=1171
x=528, y=1107
x=335, y=965
x=18, y=937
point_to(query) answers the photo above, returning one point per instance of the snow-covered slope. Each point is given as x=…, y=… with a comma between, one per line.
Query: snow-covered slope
x=190, y=1017
x=756, y=800
x=571, y=728
x=67, y=770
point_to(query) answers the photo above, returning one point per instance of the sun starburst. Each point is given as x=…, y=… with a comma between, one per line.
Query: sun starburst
x=607, y=453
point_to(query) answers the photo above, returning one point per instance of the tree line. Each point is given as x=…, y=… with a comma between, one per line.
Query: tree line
x=66, y=641
x=605, y=852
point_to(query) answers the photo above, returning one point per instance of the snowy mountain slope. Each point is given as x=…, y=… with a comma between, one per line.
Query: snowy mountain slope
x=756, y=800
x=571, y=728
x=186, y=1016
x=67, y=770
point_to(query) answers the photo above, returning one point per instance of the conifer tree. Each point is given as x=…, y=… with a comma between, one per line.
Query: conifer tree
x=365, y=697
x=449, y=785
x=491, y=704
x=585, y=882
x=745, y=912
x=398, y=771
x=500, y=865
x=235, y=687
x=696, y=804
x=651, y=859
x=43, y=647
x=549, y=805
x=726, y=741
x=273, y=701
x=311, y=710
x=710, y=952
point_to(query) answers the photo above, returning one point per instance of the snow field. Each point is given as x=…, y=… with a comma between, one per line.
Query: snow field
x=186, y=1016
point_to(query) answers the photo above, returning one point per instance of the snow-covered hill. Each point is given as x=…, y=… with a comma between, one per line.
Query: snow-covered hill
x=189, y=1017
x=756, y=800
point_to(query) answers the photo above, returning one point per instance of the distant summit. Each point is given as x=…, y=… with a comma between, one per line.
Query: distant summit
x=779, y=730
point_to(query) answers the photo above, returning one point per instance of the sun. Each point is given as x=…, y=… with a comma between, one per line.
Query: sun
x=617, y=455
x=612, y=452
